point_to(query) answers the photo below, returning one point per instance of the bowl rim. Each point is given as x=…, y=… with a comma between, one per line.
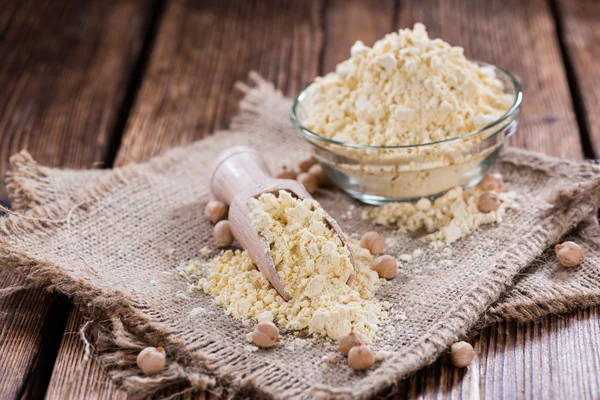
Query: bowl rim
x=518, y=100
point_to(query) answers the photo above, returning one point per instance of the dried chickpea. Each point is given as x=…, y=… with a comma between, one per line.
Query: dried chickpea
x=461, y=354
x=349, y=341
x=222, y=234
x=492, y=183
x=215, y=211
x=360, y=357
x=568, y=254
x=286, y=173
x=385, y=266
x=305, y=164
x=265, y=334
x=488, y=202
x=319, y=173
x=151, y=360
x=373, y=242
x=309, y=181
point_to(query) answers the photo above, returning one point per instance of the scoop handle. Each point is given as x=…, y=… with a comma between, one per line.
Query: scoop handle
x=237, y=171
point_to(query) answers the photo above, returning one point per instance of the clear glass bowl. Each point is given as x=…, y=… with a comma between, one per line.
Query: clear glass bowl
x=379, y=174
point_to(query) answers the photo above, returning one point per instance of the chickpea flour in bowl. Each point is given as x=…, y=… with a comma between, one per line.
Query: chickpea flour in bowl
x=408, y=118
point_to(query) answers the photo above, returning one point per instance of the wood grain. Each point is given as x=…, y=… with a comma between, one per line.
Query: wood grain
x=580, y=31
x=22, y=316
x=202, y=49
x=64, y=70
x=75, y=376
x=519, y=36
x=347, y=21
x=553, y=358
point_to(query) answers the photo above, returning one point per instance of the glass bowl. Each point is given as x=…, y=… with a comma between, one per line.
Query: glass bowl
x=380, y=174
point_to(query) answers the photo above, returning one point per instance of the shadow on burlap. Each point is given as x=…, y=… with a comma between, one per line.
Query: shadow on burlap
x=113, y=240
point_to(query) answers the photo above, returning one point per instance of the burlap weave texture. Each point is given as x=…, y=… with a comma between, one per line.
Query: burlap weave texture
x=113, y=240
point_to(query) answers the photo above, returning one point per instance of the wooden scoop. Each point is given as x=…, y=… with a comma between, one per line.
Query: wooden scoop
x=239, y=174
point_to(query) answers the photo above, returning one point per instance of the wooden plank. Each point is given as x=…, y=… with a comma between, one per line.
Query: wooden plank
x=519, y=36
x=72, y=366
x=64, y=72
x=553, y=358
x=347, y=21
x=580, y=33
x=26, y=336
x=201, y=49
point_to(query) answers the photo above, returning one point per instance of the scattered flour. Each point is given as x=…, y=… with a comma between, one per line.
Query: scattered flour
x=205, y=251
x=250, y=348
x=331, y=359
x=447, y=219
x=297, y=343
x=265, y=316
x=405, y=257
x=197, y=313
x=383, y=355
x=399, y=316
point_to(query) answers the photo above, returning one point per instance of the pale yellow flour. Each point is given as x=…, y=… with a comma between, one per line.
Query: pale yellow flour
x=313, y=265
x=407, y=89
x=447, y=219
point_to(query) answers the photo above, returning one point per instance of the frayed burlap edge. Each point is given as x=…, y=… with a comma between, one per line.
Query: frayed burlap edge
x=198, y=372
x=119, y=326
x=26, y=182
x=526, y=307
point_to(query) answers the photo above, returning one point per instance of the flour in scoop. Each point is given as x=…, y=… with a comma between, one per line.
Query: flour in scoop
x=314, y=267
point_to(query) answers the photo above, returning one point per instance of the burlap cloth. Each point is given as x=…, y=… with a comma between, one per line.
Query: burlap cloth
x=113, y=240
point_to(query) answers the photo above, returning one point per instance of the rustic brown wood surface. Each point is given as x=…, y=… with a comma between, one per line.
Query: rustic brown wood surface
x=65, y=68
x=580, y=37
x=196, y=53
x=64, y=74
x=202, y=49
x=26, y=337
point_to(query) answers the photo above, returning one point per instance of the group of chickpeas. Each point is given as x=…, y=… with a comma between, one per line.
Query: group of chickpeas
x=151, y=360
x=489, y=201
x=311, y=175
x=568, y=254
x=360, y=356
x=308, y=173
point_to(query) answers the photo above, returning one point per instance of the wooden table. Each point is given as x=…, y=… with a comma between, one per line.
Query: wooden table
x=88, y=83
